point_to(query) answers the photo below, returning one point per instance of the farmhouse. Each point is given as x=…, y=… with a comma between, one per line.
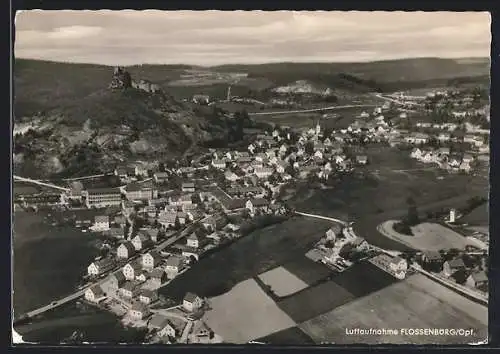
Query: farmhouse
x=398, y=264
x=188, y=187
x=125, y=250
x=116, y=280
x=192, y=302
x=163, y=325
x=452, y=266
x=160, y=177
x=256, y=204
x=94, y=294
x=138, y=311
x=157, y=277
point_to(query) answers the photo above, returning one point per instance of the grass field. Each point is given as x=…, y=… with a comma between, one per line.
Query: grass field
x=307, y=270
x=245, y=313
x=357, y=281
x=417, y=302
x=426, y=236
x=478, y=216
x=282, y=282
x=289, y=336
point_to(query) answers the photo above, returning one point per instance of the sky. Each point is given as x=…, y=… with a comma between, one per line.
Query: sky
x=132, y=37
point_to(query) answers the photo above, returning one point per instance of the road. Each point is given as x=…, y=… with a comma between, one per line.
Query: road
x=397, y=101
x=81, y=292
x=29, y=180
x=84, y=177
x=344, y=223
x=329, y=108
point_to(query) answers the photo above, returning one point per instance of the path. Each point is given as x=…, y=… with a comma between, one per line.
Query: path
x=43, y=184
x=329, y=108
x=56, y=303
x=344, y=223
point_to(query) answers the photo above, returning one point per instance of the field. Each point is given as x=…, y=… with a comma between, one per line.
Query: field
x=357, y=281
x=307, y=270
x=426, y=236
x=417, y=302
x=245, y=313
x=282, y=282
x=289, y=336
x=478, y=216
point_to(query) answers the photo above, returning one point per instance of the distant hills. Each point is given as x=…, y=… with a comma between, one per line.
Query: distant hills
x=75, y=105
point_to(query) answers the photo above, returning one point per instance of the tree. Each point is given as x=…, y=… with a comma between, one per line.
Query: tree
x=177, y=223
x=161, y=167
x=412, y=217
x=309, y=148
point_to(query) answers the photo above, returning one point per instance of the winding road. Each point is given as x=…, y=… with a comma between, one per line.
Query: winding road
x=329, y=108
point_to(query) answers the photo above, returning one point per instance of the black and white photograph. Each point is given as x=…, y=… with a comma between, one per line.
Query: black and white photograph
x=278, y=178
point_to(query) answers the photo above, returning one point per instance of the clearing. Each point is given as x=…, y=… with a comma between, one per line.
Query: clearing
x=426, y=236
x=245, y=313
x=282, y=282
x=417, y=302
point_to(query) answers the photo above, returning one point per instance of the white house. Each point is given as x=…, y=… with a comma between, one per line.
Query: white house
x=99, y=267
x=231, y=176
x=263, y=172
x=101, y=223
x=94, y=294
x=147, y=296
x=125, y=250
x=173, y=266
x=193, y=240
x=141, y=241
x=444, y=137
x=416, y=153
x=192, y=302
x=131, y=270
x=220, y=164
x=151, y=259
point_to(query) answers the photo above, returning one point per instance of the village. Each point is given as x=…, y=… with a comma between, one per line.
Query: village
x=160, y=221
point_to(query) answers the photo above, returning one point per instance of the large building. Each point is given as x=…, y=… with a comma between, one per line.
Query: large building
x=139, y=191
x=103, y=197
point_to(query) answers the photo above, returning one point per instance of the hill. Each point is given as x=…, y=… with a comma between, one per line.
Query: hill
x=86, y=118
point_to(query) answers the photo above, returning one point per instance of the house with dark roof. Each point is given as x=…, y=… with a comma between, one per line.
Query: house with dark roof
x=161, y=177
x=478, y=280
x=102, y=197
x=101, y=223
x=140, y=191
x=159, y=322
x=100, y=266
x=116, y=280
x=151, y=259
x=125, y=250
x=147, y=296
x=192, y=302
x=131, y=270
x=94, y=294
x=174, y=265
x=188, y=187
x=256, y=204
x=452, y=266
x=130, y=289
x=157, y=277
x=139, y=311
x=141, y=241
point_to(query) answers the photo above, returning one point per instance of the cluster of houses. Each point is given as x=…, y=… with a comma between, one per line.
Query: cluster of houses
x=333, y=249
x=472, y=275
x=443, y=158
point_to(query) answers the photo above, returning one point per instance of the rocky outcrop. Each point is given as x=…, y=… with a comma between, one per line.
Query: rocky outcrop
x=122, y=80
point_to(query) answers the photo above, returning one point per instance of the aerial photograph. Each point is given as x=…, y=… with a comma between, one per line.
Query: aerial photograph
x=250, y=177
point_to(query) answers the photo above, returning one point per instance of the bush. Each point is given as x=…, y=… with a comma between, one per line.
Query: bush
x=403, y=228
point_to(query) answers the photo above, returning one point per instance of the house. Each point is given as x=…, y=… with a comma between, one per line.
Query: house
x=125, y=250
x=220, y=164
x=255, y=204
x=140, y=241
x=231, y=176
x=101, y=223
x=333, y=232
x=120, y=220
x=131, y=270
x=193, y=240
x=147, y=296
x=251, y=148
x=192, y=302
x=138, y=311
x=167, y=218
x=94, y=294
x=444, y=151
x=416, y=153
x=214, y=223
x=478, y=280
x=182, y=200
x=201, y=99
x=130, y=289
x=151, y=259
x=163, y=325
x=452, y=266
x=152, y=233
x=189, y=253
x=454, y=160
x=464, y=166
x=99, y=267
x=140, y=191
x=362, y=159
x=467, y=158
x=360, y=244
x=160, y=177
x=168, y=330
x=188, y=187
x=398, y=264
x=116, y=280
x=263, y=172
x=173, y=266
x=102, y=197
x=432, y=259
x=157, y=277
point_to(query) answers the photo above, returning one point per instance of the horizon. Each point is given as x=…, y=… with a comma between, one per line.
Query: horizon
x=214, y=38
x=252, y=64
